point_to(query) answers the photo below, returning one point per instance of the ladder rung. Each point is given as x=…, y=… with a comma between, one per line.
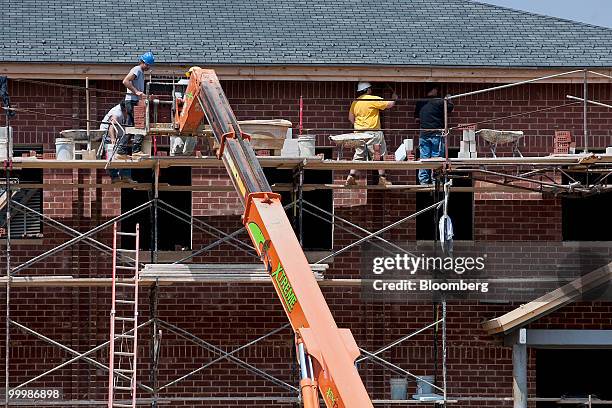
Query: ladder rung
x=116, y=404
x=125, y=284
x=126, y=250
x=126, y=234
x=125, y=336
x=119, y=387
x=130, y=302
x=131, y=268
x=125, y=319
x=123, y=353
x=123, y=370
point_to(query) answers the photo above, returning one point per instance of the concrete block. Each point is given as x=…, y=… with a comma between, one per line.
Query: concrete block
x=469, y=135
x=473, y=147
x=473, y=155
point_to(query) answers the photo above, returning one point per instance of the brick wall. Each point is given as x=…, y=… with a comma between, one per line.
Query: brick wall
x=231, y=315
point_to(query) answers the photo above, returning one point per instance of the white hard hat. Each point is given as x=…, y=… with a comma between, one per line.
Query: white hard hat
x=362, y=86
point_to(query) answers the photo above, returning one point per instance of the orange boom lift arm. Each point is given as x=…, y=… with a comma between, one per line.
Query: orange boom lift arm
x=326, y=353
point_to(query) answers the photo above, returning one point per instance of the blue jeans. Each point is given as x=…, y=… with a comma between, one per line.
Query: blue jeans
x=430, y=145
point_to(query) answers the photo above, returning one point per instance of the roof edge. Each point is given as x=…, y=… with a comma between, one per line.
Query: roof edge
x=304, y=73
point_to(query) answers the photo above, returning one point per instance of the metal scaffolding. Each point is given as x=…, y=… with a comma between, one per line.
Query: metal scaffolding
x=156, y=325
x=543, y=175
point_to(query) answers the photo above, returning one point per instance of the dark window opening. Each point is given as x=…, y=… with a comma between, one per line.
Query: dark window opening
x=316, y=232
x=173, y=234
x=24, y=224
x=460, y=210
x=573, y=373
x=580, y=214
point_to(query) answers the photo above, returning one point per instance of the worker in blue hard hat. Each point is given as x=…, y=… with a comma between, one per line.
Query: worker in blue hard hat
x=135, y=83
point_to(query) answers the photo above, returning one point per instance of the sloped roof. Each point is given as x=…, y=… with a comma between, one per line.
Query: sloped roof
x=297, y=32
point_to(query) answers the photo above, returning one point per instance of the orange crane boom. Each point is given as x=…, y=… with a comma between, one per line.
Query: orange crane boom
x=326, y=354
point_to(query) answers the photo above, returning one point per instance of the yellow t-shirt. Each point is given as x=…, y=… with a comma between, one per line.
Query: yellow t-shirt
x=367, y=111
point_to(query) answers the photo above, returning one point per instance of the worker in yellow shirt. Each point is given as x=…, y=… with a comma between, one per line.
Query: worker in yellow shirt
x=365, y=117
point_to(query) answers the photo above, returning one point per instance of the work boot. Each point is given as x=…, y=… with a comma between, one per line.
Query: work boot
x=121, y=157
x=382, y=181
x=350, y=181
x=128, y=179
x=140, y=155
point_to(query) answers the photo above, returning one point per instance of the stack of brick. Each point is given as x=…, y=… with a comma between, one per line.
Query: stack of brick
x=467, y=147
x=139, y=114
x=563, y=141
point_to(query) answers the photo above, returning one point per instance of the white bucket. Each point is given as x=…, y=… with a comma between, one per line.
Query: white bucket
x=399, y=388
x=64, y=149
x=4, y=133
x=306, y=146
x=609, y=151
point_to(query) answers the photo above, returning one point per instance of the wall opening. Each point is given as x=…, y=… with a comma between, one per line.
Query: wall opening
x=317, y=233
x=173, y=234
x=460, y=209
x=24, y=224
x=586, y=218
x=573, y=373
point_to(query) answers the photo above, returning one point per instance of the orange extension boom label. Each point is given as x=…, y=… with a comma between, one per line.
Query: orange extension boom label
x=277, y=272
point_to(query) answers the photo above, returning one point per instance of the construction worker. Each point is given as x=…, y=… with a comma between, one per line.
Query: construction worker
x=429, y=114
x=113, y=123
x=365, y=117
x=134, y=81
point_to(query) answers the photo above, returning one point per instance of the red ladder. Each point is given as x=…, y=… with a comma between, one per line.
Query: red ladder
x=123, y=320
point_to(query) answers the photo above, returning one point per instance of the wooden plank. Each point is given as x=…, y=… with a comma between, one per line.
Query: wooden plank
x=549, y=302
x=303, y=73
x=315, y=163
x=402, y=187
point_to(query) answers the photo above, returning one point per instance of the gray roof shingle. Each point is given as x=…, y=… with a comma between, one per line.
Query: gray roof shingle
x=297, y=32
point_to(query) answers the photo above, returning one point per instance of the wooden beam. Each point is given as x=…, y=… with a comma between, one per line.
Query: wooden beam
x=316, y=163
x=549, y=302
x=304, y=73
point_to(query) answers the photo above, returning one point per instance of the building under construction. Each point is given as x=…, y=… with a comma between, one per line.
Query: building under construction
x=162, y=292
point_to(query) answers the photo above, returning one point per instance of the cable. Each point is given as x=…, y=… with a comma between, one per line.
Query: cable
x=53, y=115
x=515, y=115
x=84, y=88
x=30, y=81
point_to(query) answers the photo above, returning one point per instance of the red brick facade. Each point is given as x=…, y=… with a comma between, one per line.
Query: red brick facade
x=230, y=315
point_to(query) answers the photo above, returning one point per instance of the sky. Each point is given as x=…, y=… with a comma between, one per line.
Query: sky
x=597, y=12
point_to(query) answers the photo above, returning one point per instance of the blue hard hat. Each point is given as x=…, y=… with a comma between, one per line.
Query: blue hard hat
x=148, y=58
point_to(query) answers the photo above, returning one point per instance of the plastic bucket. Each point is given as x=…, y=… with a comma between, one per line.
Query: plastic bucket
x=422, y=386
x=306, y=146
x=4, y=149
x=64, y=149
x=399, y=388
